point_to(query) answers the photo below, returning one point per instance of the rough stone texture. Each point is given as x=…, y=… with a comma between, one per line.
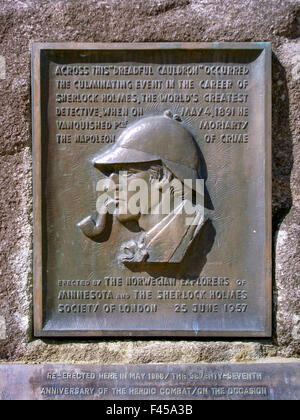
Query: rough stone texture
x=24, y=21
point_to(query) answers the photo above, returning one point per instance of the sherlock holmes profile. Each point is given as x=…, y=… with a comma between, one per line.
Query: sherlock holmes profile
x=158, y=150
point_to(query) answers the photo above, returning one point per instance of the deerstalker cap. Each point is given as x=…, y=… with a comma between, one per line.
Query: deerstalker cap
x=155, y=138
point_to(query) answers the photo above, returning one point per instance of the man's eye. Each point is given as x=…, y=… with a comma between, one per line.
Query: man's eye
x=128, y=173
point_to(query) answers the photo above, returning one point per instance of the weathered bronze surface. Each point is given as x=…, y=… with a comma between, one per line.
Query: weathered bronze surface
x=157, y=114
x=261, y=381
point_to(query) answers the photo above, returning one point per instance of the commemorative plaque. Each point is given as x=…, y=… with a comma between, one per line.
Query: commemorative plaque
x=152, y=189
x=204, y=381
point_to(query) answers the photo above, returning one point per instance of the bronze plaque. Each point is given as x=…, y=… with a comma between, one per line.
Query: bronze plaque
x=205, y=381
x=152, y=189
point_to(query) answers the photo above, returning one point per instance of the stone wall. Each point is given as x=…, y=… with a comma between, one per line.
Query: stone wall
x=25, y=21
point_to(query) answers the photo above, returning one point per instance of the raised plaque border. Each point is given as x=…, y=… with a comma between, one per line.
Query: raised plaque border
x=37, y=50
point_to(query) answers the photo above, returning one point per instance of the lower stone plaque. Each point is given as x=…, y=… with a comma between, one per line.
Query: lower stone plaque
x=152, y=188
x=265, y=381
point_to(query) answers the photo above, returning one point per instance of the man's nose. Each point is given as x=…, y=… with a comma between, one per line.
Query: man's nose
x=114, y=176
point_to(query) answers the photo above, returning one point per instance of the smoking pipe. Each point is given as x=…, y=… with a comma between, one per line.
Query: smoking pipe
x=94, y=225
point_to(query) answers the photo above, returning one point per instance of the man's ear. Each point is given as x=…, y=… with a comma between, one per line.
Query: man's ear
x=166, y=178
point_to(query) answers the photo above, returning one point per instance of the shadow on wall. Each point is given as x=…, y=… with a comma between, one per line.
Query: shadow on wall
x=282, y=160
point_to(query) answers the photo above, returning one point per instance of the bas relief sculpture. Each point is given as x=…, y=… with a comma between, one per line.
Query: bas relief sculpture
x=161, y=152
x=136, y=234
